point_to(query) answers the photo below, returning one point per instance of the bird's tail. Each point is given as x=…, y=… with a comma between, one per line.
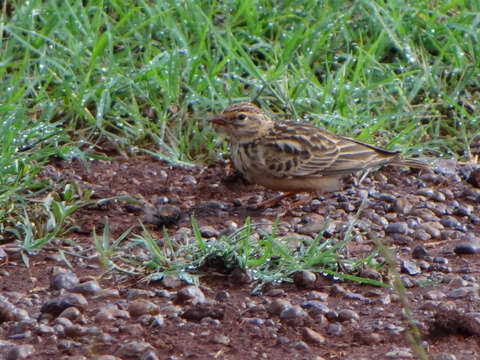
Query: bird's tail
x=413, y=163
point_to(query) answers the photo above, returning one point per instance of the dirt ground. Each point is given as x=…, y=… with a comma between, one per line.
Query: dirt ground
x=334, y=320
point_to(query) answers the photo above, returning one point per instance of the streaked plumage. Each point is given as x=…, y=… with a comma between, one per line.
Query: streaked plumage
x=296, y=157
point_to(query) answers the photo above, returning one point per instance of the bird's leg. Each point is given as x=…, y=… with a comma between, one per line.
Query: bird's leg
x=305, y=199
x=273, y=201
x=280, y=199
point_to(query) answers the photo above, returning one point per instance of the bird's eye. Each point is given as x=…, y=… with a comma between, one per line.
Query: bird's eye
x=241, y=116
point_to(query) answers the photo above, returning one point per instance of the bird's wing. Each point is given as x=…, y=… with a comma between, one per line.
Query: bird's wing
x=302, y=150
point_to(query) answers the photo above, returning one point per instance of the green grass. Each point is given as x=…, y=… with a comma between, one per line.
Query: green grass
x=145, y=75
x=264, y=256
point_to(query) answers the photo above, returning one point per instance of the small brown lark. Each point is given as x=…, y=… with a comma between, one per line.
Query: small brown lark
x=296, y=157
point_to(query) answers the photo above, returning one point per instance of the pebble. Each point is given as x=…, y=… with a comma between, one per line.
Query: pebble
x=208, y=231
x=20, y=352
x=402, y=240
x=140, y=307
x=276, y=292
x=133, y=349
x=74, y=331
x=199, y=311
x=419, y=252
x=397, y=228
x=277, y=306
x=425, y=214
x=422, y=235
x=463, y=210
x=107, y=293
x=410, y=268
x=71, y=313
x=163, y=215
x=443, y=356
x=397, y=353
x=252, y=321
x=91, y=287
x=370, y=273
x=63, y=279
x=189, y=180
x=132, y=294
x=460, y=293
x=427, y=192
x=467, y=247
x=315, y=307
x=293, y=315
x=316, y=295
x=402, y=206
x=56, y=305
x=171, y=282
x=452, y=223
x=21, y=326
x=9, y=312
x=311, y=336
x=432, y=228
x=304, y=279
x=149, y=355
x=347, y=315
x=221, y=339
x=434, y=295
x=301, y=346
x=190, y=294
x=334, y=329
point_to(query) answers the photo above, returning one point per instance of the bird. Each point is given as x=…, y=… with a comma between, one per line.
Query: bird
x=296, y=157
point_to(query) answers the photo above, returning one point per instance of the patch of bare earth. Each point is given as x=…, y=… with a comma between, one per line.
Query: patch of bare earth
x=430, y=220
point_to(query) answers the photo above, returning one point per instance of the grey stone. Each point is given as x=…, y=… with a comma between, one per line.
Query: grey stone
x=315, y=307
x=347, y=315
x=443, y=356
x=56, y=305
x=63, y=279
x=463, y=210
x=136, y=293
x=304, y=279
x=220, y=339
x=9, y=312
x=71, y=313
x=311, y=336
x=432, y=228
x=402, y=206
x=149, y=355
x=91, y=287
x=452, y=223
x=140, y=307
x=20, y=352
x=419, y=252
x=410, y=268
x=134, y=349
x=277, y=306
x=467, y=247
x=397, y=228
x=334, y=329
x=191, y=294
x=293, y=315
x=208, y=231
x=422, y=235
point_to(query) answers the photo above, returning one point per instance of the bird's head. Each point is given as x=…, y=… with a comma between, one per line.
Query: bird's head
x=243, y=122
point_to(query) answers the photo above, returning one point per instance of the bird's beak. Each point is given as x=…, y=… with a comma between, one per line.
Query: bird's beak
x=217, y=120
